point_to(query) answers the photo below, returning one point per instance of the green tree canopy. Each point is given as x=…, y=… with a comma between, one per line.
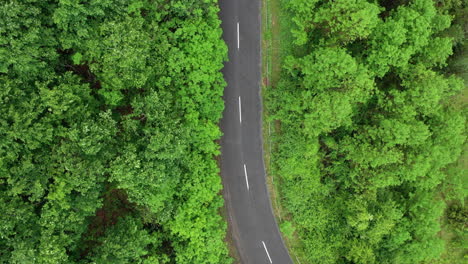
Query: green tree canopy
x=109, y=113
x=366, y=130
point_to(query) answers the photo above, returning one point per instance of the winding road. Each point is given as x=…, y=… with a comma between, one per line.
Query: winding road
x=253, y=226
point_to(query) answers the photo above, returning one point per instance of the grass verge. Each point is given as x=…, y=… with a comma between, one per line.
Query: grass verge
x=276, y=43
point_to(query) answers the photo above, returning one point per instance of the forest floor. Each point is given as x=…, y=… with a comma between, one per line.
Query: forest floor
x=276, y=43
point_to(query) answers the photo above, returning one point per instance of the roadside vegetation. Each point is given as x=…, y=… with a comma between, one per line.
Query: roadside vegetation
x=366, y=122
x=108, y=122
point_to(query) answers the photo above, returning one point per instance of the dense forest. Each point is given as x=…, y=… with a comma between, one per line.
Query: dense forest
x=108, y=129
x=367, y=130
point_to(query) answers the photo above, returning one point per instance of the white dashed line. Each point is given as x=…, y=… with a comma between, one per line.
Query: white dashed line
x=238, y=42
x=266, y=250
x=246, y=178
x=240, y=110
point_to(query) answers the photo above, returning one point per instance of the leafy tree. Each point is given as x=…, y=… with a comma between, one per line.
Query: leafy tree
x=302, y=10
x=332, y=81
x=127, y=242
x=403, y=34
x=347, y=20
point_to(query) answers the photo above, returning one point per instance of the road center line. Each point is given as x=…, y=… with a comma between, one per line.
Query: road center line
x=266, y=250
x=246, y=178
x=240, y=110
x=238, y=44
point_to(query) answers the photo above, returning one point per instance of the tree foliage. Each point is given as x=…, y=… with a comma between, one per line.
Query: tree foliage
x=109, y=114
x=366, y=129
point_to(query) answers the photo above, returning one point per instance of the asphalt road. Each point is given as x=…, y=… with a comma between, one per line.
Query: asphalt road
x=251, y=220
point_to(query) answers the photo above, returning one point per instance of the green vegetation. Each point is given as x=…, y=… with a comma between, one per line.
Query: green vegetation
x=109, y=113
x=370, y=126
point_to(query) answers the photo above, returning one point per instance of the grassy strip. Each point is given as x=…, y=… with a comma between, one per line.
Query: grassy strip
x=276, y=44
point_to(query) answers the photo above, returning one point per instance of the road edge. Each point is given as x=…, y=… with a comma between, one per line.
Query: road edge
x=271, y=54
x=262, y=18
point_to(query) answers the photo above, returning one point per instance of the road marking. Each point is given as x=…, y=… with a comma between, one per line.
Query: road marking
x=240, y=110
x=238, y=35
x=246, y=178
x=266, y=250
